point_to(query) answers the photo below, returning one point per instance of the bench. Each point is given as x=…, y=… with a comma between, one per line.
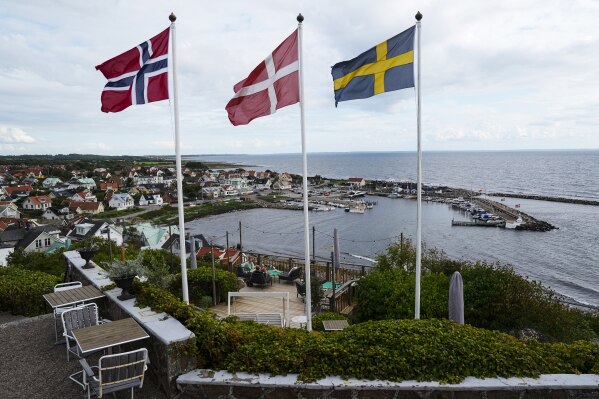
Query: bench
x=273, y=319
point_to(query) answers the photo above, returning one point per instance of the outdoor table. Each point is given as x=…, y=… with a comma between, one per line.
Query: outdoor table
x=73, y=296
x=334, y=325
x=70, y=297
x=107, y=335
x=274, y=273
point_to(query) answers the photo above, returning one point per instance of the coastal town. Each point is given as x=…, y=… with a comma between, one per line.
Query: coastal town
x=48, y=206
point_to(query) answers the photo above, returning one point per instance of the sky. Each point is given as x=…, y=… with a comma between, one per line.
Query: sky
x=495, y=76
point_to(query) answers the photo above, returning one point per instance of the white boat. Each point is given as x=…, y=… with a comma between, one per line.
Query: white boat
x=323, y=208
x=513, y=225
x=357, y=208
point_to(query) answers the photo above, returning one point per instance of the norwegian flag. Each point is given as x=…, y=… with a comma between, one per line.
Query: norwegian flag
x=273, y=84
x=137, y=76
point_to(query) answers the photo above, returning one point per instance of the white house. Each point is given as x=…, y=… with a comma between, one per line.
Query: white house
x=56, y=213
x=155, y=199
x=283, y=182
x=262, y=184
x=99, y=228
x=84, y=196
x=356, y=182
x=211, y=192
x=42, y=202
x=51, y=182
x=143, y=201
x=87, y=182
x=142, y=180
x=121, y=202
x=240, y=184
x=228, y=191
x=9, y=210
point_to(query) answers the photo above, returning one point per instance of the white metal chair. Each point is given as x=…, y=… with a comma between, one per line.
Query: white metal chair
x=58, y=311
x=76, y=318
x=114, y=373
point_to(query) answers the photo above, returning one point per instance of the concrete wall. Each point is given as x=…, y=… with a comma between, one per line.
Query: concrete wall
x=166, y=333
x=205, y=384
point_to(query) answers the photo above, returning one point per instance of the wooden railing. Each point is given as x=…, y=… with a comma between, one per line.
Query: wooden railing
x=344, y=299
x=322, y=270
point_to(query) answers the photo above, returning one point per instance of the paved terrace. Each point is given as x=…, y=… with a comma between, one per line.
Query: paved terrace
x=32, y=367
x=265, y=305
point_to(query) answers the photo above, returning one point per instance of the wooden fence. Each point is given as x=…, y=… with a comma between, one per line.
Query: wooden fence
x=322, y=270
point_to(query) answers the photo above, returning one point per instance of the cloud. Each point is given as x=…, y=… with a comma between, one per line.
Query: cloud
x=13, y=135
x=509, y=75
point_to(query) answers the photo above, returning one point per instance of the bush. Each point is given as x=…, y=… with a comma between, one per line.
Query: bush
x=495, y=297
x=396, y=350
x=21, y=290
x=389, y=294
x=37, y=261
x=199, y=283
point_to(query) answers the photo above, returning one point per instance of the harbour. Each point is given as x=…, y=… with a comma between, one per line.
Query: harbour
x=564, y=258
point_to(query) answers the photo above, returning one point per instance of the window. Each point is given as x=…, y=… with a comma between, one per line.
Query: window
x=38, y=243
x=46, y=242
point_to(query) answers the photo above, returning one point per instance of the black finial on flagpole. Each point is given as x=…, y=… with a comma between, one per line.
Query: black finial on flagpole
x=418, y=16
x=300, y=18
x=172, y=17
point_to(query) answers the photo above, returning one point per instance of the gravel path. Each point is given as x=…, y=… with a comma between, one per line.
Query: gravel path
x=32, y=367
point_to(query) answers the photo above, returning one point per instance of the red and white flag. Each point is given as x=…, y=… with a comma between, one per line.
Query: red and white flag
x=273, y=84
x=137, y=76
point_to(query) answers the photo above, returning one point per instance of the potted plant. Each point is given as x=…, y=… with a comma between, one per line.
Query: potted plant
x=122, y=272
x=87, y=254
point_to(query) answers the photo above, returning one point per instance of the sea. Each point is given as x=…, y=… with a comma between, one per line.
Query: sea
x=565, y=259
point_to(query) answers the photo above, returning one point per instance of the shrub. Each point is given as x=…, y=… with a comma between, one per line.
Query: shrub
x=389, y=294
x=21, y=290
x=37, y=261
x=495, y=297
x=396, y=350
x=199, y=282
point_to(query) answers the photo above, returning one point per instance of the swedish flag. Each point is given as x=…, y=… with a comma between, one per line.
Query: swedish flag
x=386, y=67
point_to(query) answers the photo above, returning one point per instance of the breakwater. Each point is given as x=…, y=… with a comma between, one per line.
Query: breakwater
x=530, y=223
x=566, y=200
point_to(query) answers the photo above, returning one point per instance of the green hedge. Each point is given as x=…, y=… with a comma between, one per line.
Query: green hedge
x=37, y=261
x=21, y=290
x=199, y=283
x=396, y=350
x=495, y=298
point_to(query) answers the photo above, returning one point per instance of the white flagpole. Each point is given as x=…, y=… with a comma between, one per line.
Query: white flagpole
x=308, y=302
x=419, y=178
x=182, y=253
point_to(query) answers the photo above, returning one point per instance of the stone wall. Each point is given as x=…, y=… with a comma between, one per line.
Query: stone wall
x=205, y=384
x=166, y=334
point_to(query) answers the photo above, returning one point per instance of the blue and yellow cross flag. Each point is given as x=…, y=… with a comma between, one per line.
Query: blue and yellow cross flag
x=386, y=67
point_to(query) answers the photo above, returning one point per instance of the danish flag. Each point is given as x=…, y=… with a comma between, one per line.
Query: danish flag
x=273, y=84
x=137, y=76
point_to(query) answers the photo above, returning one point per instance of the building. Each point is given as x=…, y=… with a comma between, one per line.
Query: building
x=92, y=208
x=121, y=202
x=40, y=202
x=88, y=228
x=356, y=182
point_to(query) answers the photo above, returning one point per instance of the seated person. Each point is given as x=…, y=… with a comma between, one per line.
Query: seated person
x=243, y=272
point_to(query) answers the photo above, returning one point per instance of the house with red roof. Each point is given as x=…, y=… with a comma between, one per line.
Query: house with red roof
x=356, y=182
x=20, y=191
x=41, y=202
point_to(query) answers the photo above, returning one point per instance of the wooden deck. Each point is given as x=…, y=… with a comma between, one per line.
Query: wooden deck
x=265, y=305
